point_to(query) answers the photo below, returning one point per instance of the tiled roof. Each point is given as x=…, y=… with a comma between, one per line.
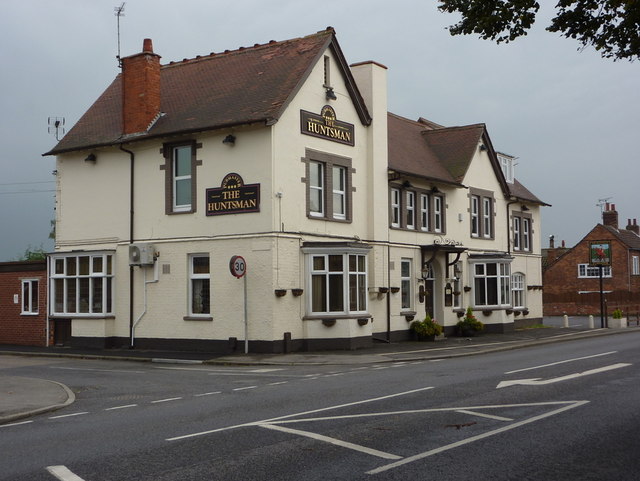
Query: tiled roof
x=455, y=146
x=521, y=192
x=627, y=237
x=220, y=90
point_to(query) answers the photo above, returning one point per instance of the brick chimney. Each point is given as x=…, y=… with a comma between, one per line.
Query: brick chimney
x=633, y=227
x=610, y=216
x=140, y=89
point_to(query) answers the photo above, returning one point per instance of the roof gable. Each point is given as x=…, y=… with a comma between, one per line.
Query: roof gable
x=244, y=86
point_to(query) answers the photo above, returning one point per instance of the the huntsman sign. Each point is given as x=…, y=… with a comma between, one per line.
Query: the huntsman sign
x=233, y=197
x=326, y=126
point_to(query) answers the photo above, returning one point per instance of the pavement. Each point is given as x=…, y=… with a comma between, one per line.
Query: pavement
x=21, y=397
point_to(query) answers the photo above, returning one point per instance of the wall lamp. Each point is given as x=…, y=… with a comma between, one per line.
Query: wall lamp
x=229, y=140
x=331, y=95
x=91, y=158
x=483, y=147
x=524, y=208
x=435, y=190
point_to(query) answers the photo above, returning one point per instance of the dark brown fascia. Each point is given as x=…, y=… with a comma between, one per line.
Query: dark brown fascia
x=426, y=177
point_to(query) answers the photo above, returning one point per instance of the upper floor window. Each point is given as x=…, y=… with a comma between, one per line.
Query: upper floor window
x=180, y=177
x=521, y=231
x=415, y=208
x=438, y=214
x=425, y=209
x=328, y=180
x=81, y=284
x=395, y=207
x=635, y=266
x=585, y=270
x=29, y=296
x=411, y=210
x=481, y=213
x=506, y=163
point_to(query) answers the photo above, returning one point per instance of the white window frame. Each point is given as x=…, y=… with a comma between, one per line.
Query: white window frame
x=487, y=228
x=518, y=290
x=406, y=284
x=585, y=271
x=475, y=216
x=29, y=297
x=526, y=234
x=339, y=192
x=354, y=281
x=175, y=178
x=97, y=280
x=196, y=277
x=317, y=189
x=411, y=210
x=501, y=280
x=395, y=207
x=424, y=212
x=635, y=265
x=437, y=214
x=517, y=227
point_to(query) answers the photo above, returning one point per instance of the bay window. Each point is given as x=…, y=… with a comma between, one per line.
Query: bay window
x=491, y=284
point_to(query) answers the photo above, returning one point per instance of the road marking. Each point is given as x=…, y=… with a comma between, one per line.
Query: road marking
x=560, y=362
x=63, y=474
x=417, y=457
x=482, y=415
x=542, y=382
x=166, y=400
x=121, y=407
x=277, y=383
x=207, y=393
x=337, y=442
x=68, y=415
x=15, y=424
x=313, y=411
x=96, y=370
x=244, y=388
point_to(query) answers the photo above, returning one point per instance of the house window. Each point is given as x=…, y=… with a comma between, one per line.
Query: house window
x=457, y=286
x=506, y=162
x=199, y=285
x=405, y=283
x=635, y=267
x=29, y=296
x=81, y=285
x=491, y=283
x=585, y=270
x=424, y=212
x=411, y=210
x=328, y=180
x=517, y=289
x=481, y=210
x=438, y=216
x=521, y=232
x=180, y=177
x=395, y=208
x=338, y=283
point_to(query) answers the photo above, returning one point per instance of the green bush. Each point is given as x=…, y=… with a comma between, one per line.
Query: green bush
x=469, y=322
x=617, y=314
x=426, y=328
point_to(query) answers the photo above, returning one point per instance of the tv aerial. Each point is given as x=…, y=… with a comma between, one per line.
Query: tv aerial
x=56, y=126
x=119, y=12
x=602, y=202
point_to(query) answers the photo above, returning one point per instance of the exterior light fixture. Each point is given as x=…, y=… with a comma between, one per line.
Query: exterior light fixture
x=229, y=140
x=483, y=147
x=331, y=95
x=91, y=158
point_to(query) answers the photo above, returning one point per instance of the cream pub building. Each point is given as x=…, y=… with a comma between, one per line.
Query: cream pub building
x=351, y=221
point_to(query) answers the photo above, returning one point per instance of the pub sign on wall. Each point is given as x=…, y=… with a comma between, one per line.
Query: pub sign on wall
x=600, y=253
x=233, y=197
x=326, y=126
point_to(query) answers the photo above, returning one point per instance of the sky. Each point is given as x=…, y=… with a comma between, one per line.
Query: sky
x=570, y=116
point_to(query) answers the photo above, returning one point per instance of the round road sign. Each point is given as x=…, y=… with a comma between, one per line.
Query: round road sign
x=238, y=266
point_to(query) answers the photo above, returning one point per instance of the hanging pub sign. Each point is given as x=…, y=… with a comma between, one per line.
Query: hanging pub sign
x=233, y=197
x=326, y=126
x=600, y=253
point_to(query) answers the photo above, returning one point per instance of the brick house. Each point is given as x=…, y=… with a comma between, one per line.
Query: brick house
x=572, y=287
x=23, y=303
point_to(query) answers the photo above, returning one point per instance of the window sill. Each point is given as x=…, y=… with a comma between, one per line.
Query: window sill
x=82, y=316
x=320, y=317
x=329, y=219
x=29, y=314
x=197, y=318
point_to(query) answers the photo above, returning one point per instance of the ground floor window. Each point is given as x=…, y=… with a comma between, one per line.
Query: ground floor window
x=81, y=284
x=29, y=296
x=405, y=283
x=199, y=285
x=337, y=282
x=491, y=282
x=586, y=270
x=517, y=288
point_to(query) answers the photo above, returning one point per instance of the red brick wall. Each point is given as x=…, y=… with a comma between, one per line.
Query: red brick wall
x=562, y=284
x=16, y=328
x=141, y=89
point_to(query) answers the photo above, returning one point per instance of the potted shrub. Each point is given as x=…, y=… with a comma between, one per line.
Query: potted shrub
x=426, y=330
x=469, y=325
x=619, y=320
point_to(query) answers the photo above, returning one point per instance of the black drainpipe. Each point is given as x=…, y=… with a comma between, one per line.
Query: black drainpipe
x=509, y=227
x=131, y=178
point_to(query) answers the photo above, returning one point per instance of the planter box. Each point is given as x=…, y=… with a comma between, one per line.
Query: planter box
x=618, y=323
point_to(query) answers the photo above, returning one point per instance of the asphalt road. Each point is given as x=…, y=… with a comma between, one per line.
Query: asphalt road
x=558, y=412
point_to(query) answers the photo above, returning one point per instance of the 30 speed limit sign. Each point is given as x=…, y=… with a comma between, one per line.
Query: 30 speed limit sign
x=238, y=266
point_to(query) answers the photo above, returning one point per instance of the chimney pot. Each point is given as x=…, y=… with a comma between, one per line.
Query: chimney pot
x=147, y=46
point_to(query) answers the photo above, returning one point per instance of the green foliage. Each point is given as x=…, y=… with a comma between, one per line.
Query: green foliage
x=469, y=322
x=617, y=314
x=31, y=254
x=426, y=328
x=611, y=26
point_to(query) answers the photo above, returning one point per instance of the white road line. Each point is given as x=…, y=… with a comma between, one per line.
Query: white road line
x=68, y=415
x=560, y=362
x=207, y=393
x=254, y=423
x=277, y=383
x=337, y=442
x=245, y=388
x=472, y=439
x=63, y=474
x=568, y=377
x=166, y=400
x=97, y=370
x=482, y=415
x=15, y=424
x=121, y=407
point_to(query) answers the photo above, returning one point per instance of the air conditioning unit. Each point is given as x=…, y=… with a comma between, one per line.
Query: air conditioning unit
x=141, y=255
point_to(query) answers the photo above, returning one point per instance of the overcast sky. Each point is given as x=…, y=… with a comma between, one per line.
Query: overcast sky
x=571, y=117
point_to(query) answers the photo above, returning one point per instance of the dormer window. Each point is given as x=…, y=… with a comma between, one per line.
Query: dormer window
x=506, y=163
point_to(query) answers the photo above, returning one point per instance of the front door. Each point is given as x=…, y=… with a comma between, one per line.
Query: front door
x=430, y=292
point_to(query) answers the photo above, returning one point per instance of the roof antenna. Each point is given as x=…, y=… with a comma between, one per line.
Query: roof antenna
x=602, y=202
x=119, y=12
x=56, y=125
